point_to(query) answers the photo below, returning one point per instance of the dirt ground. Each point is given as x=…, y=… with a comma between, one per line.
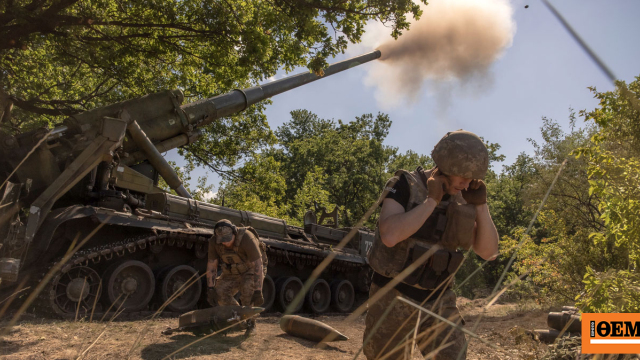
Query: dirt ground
x=34, y=338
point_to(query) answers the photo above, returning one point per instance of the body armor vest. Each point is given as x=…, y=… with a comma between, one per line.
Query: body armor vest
x=231, y=260
x=450, y=225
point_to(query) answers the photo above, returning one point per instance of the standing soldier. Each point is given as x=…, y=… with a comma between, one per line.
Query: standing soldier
x=436, y=211
x=238, y=251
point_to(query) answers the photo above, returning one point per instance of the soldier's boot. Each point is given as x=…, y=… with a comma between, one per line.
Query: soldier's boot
x=251, y=328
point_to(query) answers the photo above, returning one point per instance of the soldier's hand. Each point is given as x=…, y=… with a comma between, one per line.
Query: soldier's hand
x=437, y=185
x=212, y=296
x=257, y=299
x=476, y=193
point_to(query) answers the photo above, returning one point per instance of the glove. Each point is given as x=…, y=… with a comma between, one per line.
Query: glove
x=476, y=193
x=437, y=185
x=257, y=299
x=212, y=296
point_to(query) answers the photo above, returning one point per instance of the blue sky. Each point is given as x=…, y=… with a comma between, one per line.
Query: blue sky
x=543, y=73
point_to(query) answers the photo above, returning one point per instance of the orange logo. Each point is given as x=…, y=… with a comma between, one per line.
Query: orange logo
x=610, y=333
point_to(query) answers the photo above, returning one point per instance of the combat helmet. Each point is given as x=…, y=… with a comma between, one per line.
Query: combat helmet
x=224, y=230
x=461, y=153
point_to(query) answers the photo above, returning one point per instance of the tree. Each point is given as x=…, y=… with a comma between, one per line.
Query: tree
x=260, y=187
x=331, y=163
x=569, y=197
x=61, y=57
x=410, y=161
x=507, y=195
x=586, y=238
x=613, y=157
x=351, y=155
x=556, y=252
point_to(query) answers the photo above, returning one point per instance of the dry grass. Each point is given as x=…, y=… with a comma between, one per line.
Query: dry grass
x=53, y=339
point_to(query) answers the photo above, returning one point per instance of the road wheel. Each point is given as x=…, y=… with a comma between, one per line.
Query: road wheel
x=131, y=284
x=342, y=295
x=268, y=292
x=75, y=291
x=171, y=283
x=286, y=290
x=318, y=298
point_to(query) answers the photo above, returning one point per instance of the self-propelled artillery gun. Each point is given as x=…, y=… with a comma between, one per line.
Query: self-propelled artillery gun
x=92, y=184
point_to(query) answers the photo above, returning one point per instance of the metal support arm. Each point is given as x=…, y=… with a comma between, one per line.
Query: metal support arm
x=156, y=159
x=100, y=149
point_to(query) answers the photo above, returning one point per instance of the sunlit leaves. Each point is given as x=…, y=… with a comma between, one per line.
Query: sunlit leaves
x=613, y=291
x=74, y=55
x=324, y=162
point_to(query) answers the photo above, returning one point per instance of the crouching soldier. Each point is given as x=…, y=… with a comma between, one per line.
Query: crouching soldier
x=240, y=253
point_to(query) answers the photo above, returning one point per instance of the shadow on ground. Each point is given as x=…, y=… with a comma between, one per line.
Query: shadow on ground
x=8, y=347
x=217, y=344
x=310, y=344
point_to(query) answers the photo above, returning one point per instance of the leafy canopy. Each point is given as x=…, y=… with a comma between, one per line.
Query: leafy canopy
x=60, y=57
x=585, y=245
x=324, y=162
x=613, y=158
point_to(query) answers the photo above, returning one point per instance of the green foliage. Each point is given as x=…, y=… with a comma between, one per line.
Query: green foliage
x=229, y=141
x=507, y=197
x=260, y=187
x=202, y=191
x=410, y=160
x=60, y=57
x=613, y=291
x=469, y=282
x=586, y=240
x=570, y=197
x=553, y=267
x=351, y=155
x=613, y=157
x=312, y=192
x=331, y=163
x=554, y=255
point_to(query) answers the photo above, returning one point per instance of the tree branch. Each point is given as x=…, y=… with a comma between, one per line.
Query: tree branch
x=28, y=106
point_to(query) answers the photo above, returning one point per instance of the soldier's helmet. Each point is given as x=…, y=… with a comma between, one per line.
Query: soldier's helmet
x=224, y=231
x=461, y=153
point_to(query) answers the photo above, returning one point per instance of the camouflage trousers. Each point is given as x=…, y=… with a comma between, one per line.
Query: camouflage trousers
x=390, y=339
x=228, y=285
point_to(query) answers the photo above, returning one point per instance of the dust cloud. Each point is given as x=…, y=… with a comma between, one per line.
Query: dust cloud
x=454, y=41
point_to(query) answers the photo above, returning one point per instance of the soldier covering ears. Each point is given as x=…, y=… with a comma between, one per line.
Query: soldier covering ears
x=429, y=214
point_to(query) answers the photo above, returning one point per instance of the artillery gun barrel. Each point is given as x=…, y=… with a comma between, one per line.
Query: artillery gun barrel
x=163, y=119
x=205, y=111
x=238, y=100
x=163, y=123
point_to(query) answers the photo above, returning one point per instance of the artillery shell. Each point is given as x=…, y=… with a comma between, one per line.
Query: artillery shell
x=558, y=320
x=216, y=318
x=309, y=329
x=548, y=336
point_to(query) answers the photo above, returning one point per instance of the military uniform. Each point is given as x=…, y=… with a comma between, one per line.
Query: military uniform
x=450, y=226
x=401, y=321
x=238, y=273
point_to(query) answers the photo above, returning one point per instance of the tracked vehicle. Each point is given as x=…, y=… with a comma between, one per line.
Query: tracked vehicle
x=92, y=183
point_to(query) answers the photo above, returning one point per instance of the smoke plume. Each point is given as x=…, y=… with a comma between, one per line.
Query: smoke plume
x=454, y=40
